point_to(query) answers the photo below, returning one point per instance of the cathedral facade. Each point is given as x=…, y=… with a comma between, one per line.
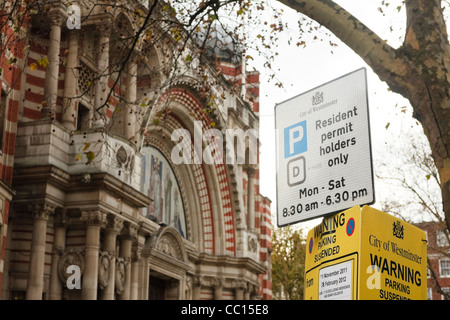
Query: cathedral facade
x=129, y=163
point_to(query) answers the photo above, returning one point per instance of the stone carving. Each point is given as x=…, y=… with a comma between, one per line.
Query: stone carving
x=169, y=245
x=188, y=288
x=42, y=211
x=217, y=282
x=252, y=244
x=165, y=246
x=69, y=258
x=124, y=159
x=104, y=269
x=121, y=266
x=121, y=156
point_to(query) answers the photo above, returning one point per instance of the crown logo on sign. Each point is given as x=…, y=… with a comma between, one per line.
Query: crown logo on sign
x=317, y=98
x=398, y=230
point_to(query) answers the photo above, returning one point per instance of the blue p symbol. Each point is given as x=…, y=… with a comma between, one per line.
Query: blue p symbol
x=295, y=139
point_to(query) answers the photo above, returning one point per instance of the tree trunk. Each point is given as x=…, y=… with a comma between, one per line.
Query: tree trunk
x=417, y=70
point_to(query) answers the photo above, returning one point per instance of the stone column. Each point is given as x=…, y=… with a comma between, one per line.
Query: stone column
x=240, y=286
x=129, y=234
x=52, y=69
x=254, y=291
x=130, y=97
x=217, y=284
x=35, y=288
x=69, y=115
x=251, y=198
x=136, y=269
x=101, y=86
x=196, y=287
x=145, y=265
x=94, y=221
x=59, y=243
x=113, y=228
x=134, y=285
x=247, y=289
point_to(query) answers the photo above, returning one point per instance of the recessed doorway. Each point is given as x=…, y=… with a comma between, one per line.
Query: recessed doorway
x=163, y=287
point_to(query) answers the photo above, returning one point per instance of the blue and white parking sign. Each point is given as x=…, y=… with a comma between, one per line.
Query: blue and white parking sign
x=295, y=141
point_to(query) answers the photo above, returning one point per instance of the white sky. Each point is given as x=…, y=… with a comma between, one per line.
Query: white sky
x=301, y=69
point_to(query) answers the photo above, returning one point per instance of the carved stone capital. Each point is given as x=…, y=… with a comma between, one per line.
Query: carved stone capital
x=61, y=220
x=251, y=170
x=114, y=224
x=129, y=231
x=198, y=281
x=217, y=283
x=94, y=218
x=240, y=284
x=42, y=211
x=55, y=18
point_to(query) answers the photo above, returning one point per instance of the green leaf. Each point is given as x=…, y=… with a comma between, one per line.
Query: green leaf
x=89, y=156
x=387, y=125
x=43, y=62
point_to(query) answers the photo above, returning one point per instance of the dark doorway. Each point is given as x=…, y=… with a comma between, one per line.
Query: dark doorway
x=156, y=289
x=83, y=117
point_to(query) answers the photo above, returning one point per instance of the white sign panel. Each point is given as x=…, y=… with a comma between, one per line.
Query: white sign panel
x=324, y=157
x=335, y=282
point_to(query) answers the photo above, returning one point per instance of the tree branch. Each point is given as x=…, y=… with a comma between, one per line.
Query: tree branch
x=380, y=56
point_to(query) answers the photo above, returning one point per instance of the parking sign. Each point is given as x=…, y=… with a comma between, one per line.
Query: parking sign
x=324, y=157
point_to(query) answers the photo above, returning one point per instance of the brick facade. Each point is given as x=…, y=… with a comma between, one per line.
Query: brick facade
x=76, y=174
x=438, y=259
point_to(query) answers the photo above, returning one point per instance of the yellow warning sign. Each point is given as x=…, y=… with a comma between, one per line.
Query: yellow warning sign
x=365, y=254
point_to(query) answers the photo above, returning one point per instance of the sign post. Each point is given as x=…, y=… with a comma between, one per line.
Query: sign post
x=324, y=157
x=365, y=254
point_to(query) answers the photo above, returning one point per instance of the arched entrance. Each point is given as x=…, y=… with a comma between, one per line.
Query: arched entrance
x=168, y=264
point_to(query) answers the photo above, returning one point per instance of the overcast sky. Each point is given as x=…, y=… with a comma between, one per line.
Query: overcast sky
x=301, y=69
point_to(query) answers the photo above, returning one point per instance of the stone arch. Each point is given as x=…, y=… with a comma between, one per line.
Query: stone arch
x=184, y=180
x=169, y=242
x=189, y=178
x=122, y=33
x=168, y=261
x=212, y=185
x=123, y=23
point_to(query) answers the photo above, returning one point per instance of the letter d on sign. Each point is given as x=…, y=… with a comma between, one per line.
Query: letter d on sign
x=74, y=19
x=296, y=170
x=74, y=280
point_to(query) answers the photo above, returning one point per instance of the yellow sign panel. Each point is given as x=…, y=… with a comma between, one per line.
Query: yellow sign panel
x=394, y=263
x=365, y=254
